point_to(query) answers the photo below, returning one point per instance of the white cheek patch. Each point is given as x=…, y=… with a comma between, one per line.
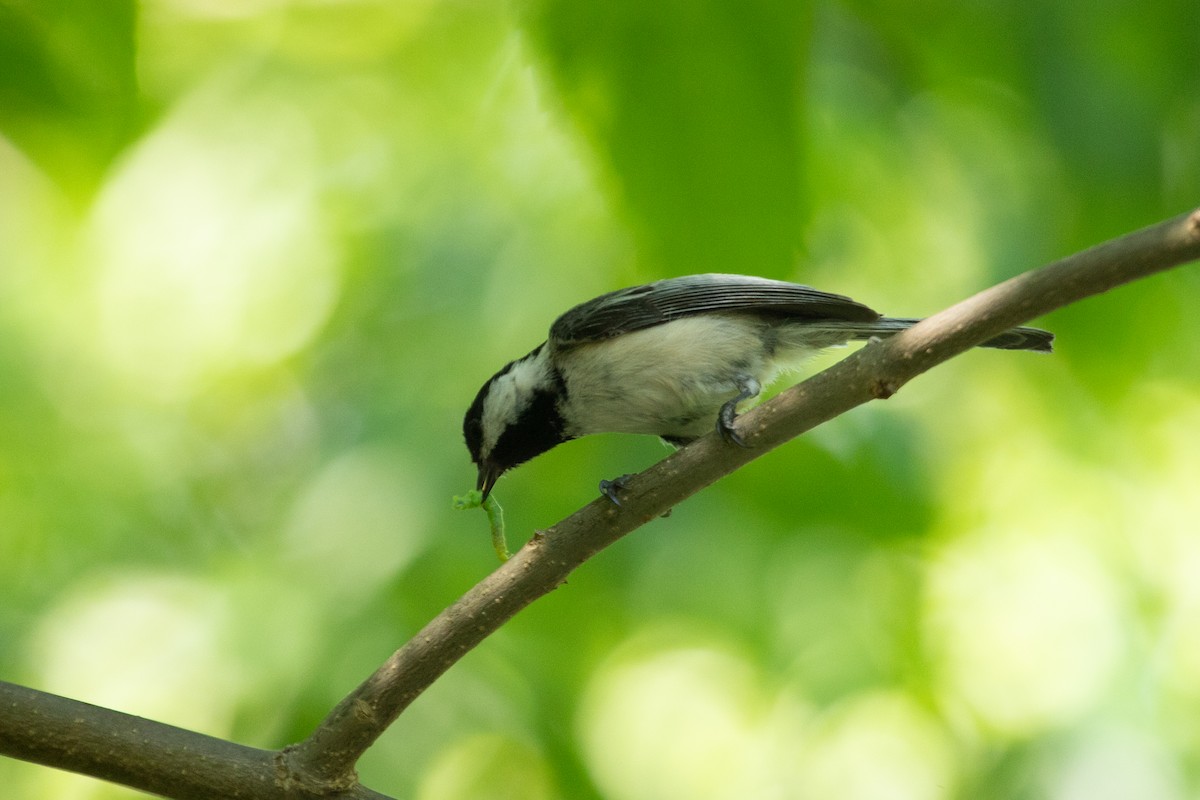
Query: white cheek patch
x=508, y=396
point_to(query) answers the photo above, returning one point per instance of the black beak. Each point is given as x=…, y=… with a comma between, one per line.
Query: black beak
x=489, y=473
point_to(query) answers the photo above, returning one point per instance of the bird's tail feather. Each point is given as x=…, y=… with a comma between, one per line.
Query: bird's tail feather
x=1022, y=338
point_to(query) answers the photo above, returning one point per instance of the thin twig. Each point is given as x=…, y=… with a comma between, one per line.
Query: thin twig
x=876, y=371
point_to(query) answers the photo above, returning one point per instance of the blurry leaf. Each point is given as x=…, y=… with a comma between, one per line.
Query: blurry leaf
x=67, y=84
x=695, y=108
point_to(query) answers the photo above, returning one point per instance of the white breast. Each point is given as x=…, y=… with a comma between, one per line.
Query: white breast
x=669, y=380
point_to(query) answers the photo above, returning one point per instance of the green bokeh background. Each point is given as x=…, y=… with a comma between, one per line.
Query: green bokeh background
x=257, y=257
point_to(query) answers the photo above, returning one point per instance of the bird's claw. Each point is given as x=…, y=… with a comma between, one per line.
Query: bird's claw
x=747, y=387
x=610, y=488
x=725, y=422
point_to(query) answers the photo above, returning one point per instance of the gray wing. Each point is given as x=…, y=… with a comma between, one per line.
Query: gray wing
x=652, y=304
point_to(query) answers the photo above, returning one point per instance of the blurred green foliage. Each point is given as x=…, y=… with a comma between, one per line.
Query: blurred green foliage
x=257, y=257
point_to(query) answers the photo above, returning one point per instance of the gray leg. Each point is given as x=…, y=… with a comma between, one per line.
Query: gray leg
x=610, y=488
x=748, y=387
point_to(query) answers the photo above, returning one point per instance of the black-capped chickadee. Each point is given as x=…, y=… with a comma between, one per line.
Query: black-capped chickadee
x=671, y=358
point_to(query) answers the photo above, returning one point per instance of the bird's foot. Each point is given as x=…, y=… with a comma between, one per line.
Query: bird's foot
x=610, y=488
x=748, y=387
x=725, y=423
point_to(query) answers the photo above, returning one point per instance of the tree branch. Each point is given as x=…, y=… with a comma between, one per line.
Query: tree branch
x=876, y=371
x=161, y=759
x=175, y=763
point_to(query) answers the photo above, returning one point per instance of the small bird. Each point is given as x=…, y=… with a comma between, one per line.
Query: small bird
x=673, y=359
